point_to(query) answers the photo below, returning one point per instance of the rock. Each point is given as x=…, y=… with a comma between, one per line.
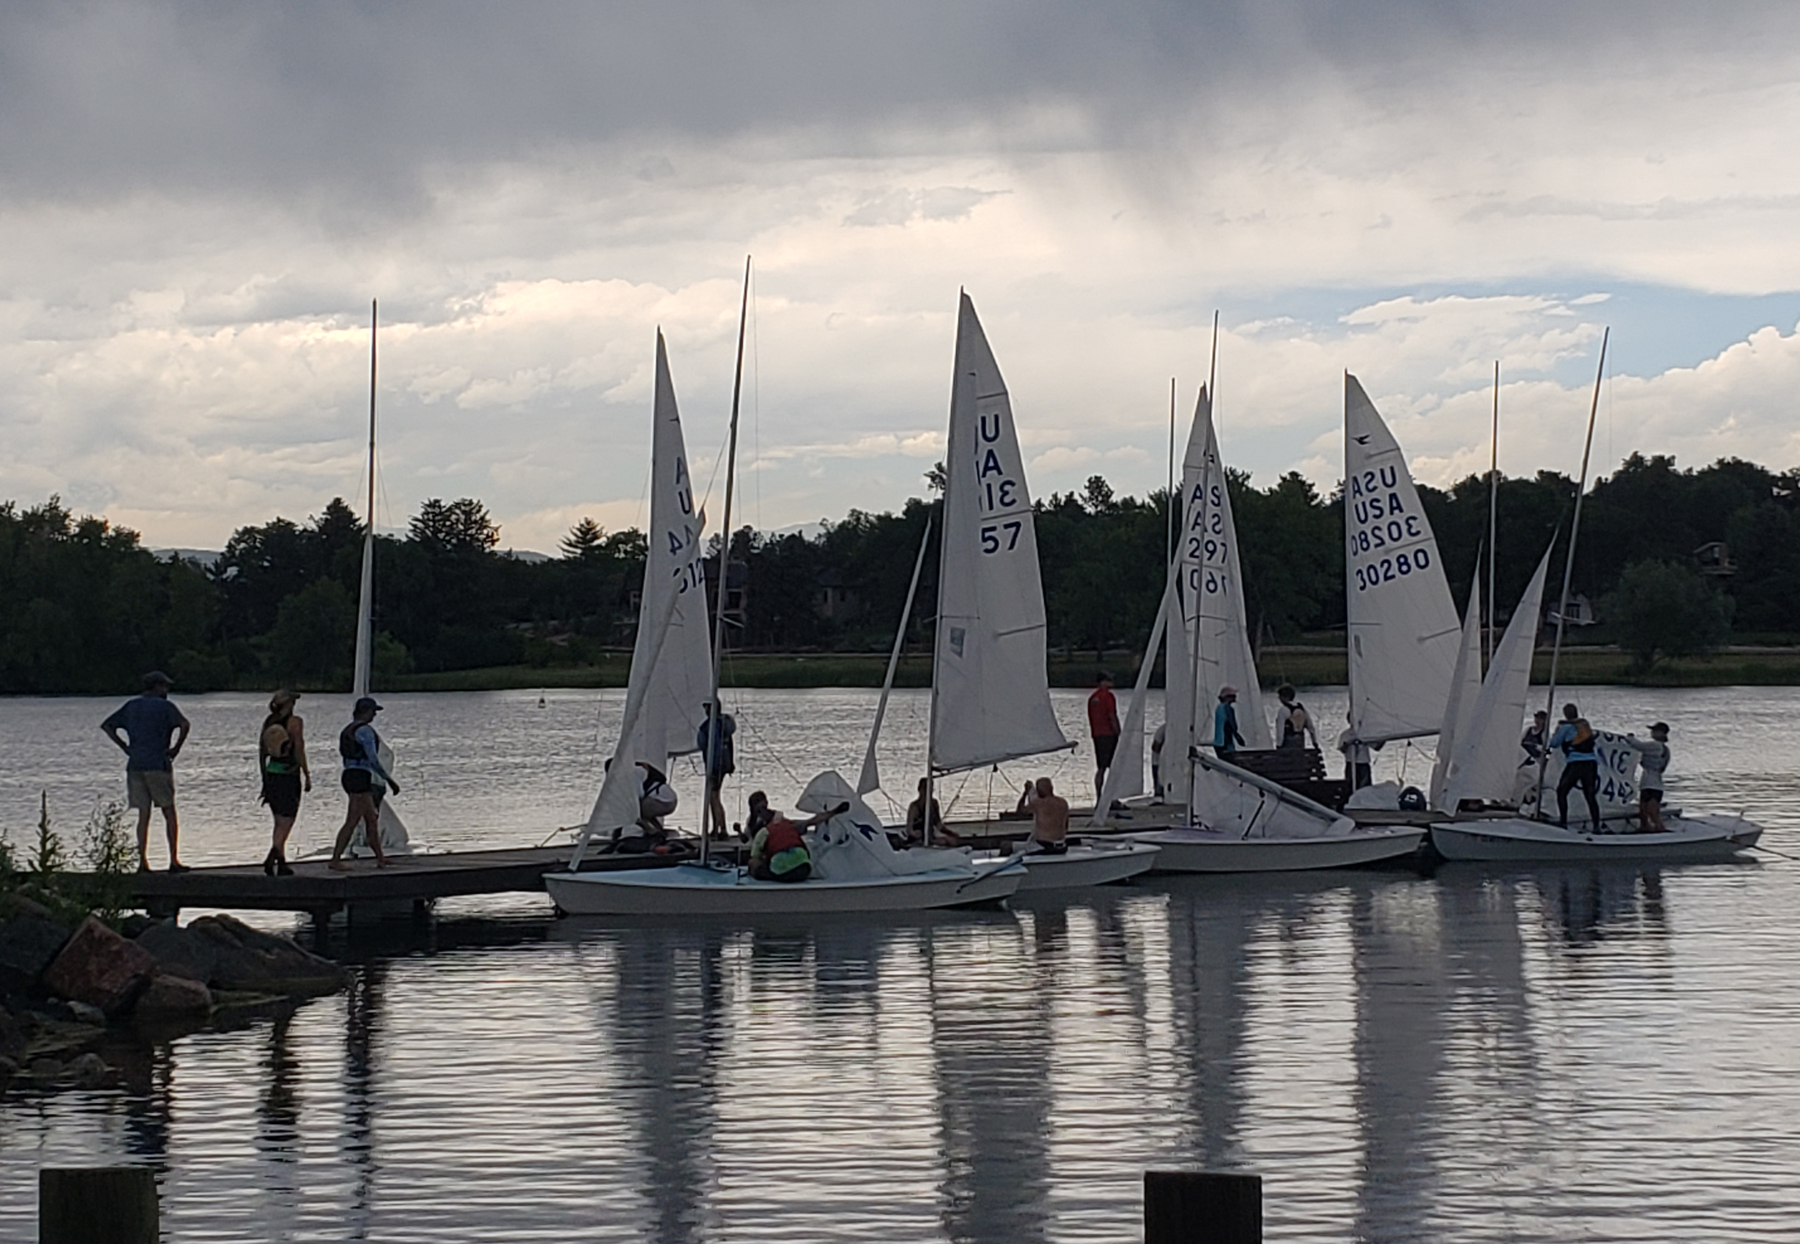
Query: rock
x=100, y=968
x=16, y=904
x=179, y=951
x=89, y=1070
x=251, y=961
x=133, y=926
x=168, y=995
x=8, y=1069
x=13, y=1038
x=45, y=1070
x=29, y=943
x=85, y=1013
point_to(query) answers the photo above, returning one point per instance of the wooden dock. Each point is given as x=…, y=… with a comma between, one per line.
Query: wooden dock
x=322, y=892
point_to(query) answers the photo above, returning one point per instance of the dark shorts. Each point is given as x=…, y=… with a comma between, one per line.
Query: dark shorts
x=362, y=782
x=281, y=791
x=1646, y=795
x=1104, y=747
x=717, y=779
x=800, y=872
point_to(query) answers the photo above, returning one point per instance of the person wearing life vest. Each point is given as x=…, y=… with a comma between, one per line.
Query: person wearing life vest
x=778, y=852
x=1574, y=737
x=365, y=782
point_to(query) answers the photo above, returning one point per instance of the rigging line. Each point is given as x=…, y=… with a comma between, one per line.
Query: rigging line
x=756, y=404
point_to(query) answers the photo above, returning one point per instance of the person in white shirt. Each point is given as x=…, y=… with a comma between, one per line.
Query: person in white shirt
x=1653, y=759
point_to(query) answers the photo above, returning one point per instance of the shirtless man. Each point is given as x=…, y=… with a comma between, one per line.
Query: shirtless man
x=1049, y=820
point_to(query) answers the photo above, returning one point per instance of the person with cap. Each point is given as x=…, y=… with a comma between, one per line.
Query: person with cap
x=1103, y=728
x=281, y=755
x=365, y=781
x=1653, y=759
x=148, y=722
x=1534, y=740
x=1296, y=722
x=720, y=760
x=1226, y=735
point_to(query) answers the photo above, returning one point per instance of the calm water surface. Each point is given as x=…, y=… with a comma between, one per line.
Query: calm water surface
x=1569, y=1054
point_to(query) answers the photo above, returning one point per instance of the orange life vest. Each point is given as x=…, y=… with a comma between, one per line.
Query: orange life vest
x=783, y=836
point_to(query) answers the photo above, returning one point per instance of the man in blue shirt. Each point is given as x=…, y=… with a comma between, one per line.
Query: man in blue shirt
x=1581, y=765
x=1226, y=736
x=148, y=722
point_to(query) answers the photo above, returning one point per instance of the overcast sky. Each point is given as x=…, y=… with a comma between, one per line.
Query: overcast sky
x=199, y=201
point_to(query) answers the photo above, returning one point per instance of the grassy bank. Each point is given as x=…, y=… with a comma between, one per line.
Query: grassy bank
x=1303, y=666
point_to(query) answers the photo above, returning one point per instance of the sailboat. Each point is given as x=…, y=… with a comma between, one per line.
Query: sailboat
x=1235, y=820
x=854, y=868
x=1479, y=758
x=394, y=838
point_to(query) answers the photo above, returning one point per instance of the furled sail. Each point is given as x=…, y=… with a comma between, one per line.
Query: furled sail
x=681, y=672
x=1234, y=800
x=1212, y=589
x=991, y=693
x=1484, y=760
x=1465, y=689
x=1403, y=629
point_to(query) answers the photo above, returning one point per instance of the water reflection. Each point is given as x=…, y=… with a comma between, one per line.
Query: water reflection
x=364, y=1023
x=278, y=1111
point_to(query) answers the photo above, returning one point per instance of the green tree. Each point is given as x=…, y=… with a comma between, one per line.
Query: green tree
x=1663, y=609
x=314, y=637
x=586, y=540
x=461, y=526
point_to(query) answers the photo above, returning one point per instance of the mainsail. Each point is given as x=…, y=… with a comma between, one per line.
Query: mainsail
x=990, y=690
x=1465, y=689
x=1403, y=628
x=1484, y=760
x=680, y=663
x=1212, y=589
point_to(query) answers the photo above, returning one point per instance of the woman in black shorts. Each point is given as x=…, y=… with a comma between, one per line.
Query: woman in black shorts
x=282, y=758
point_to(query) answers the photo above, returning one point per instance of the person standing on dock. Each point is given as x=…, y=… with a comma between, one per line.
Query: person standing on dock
x=148, y=721
x=282, y=753
x=365, y=781
x=720, y=760
x=1103, y=726
x=1359, y=760
x=1296, y=722
x=1226, y=735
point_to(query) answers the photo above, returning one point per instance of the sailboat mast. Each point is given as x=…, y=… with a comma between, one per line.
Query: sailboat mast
x=718, y=647
x=1562, y=606
x=373, y=319
x=870, y=777
x=1493, y=599
x=1174, y=509
x=363, y=658
x=1193, y=638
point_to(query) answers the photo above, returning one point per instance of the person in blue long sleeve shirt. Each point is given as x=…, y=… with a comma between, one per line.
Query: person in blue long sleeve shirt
x=1226, y=736
x=365, y=781
x=1581, y=764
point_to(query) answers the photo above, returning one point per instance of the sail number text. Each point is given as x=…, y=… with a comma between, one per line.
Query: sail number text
x=998, y=492
x=1395, y=542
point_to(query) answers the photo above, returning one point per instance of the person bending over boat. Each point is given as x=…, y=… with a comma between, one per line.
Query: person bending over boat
x=1226, y=735
x=1581, y=765
x=1653, y=758
x=1049, y=820
x=778, y=852
x=365, y=781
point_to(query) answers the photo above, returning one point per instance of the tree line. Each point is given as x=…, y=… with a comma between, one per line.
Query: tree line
x=84, y=607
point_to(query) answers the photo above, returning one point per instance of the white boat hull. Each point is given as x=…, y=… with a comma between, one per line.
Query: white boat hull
x=1207, y=851
x=696, y=890
x=1518, y=839
x=1089, y=864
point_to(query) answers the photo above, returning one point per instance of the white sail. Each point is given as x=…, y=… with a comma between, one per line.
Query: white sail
x=1128, y=762
x=1403, y=629
x=1484, y=761
x=681, y=671
x=991, y=692
x=1465, y=690
x=870, y=778
x=1212, y=589
x=1234, y=800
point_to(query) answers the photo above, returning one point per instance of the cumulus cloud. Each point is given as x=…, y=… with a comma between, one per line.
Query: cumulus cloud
x=202, y=201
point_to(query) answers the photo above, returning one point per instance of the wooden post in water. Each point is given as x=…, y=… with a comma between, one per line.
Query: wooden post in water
x=1202, y=1207
x=97, y=1205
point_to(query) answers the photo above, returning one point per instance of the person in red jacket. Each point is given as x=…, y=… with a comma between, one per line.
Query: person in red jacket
x=1103, y=725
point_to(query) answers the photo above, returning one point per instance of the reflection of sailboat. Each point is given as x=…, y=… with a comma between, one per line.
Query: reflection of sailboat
x=394, y=838
x=853, y=867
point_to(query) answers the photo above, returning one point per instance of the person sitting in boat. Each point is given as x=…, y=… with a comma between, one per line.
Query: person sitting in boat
x=761, y=815
x=1226, y=735
x=1296, y=722
x=1574, y=737
x=917, y=834
x=1533, y=740
x=778, y=852
x=1049, y=820
x=1653, y=759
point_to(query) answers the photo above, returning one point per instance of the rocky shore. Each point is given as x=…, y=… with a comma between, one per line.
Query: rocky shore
x=63, y=989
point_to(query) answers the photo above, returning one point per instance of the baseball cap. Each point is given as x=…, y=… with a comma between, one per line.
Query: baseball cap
x=367, y=705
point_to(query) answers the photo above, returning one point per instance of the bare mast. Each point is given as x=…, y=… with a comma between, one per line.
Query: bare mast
x=712, y=710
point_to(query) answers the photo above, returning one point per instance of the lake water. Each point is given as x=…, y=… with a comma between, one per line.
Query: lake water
x=1521, y=1055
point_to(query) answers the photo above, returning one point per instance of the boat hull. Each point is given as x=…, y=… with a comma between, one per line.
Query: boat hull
x=1203, y=851
x=695, y=890
x=1516, y=839
x=1087, y=865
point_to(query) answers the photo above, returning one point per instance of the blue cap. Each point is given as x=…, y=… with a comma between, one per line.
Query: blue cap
x=366, y=705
